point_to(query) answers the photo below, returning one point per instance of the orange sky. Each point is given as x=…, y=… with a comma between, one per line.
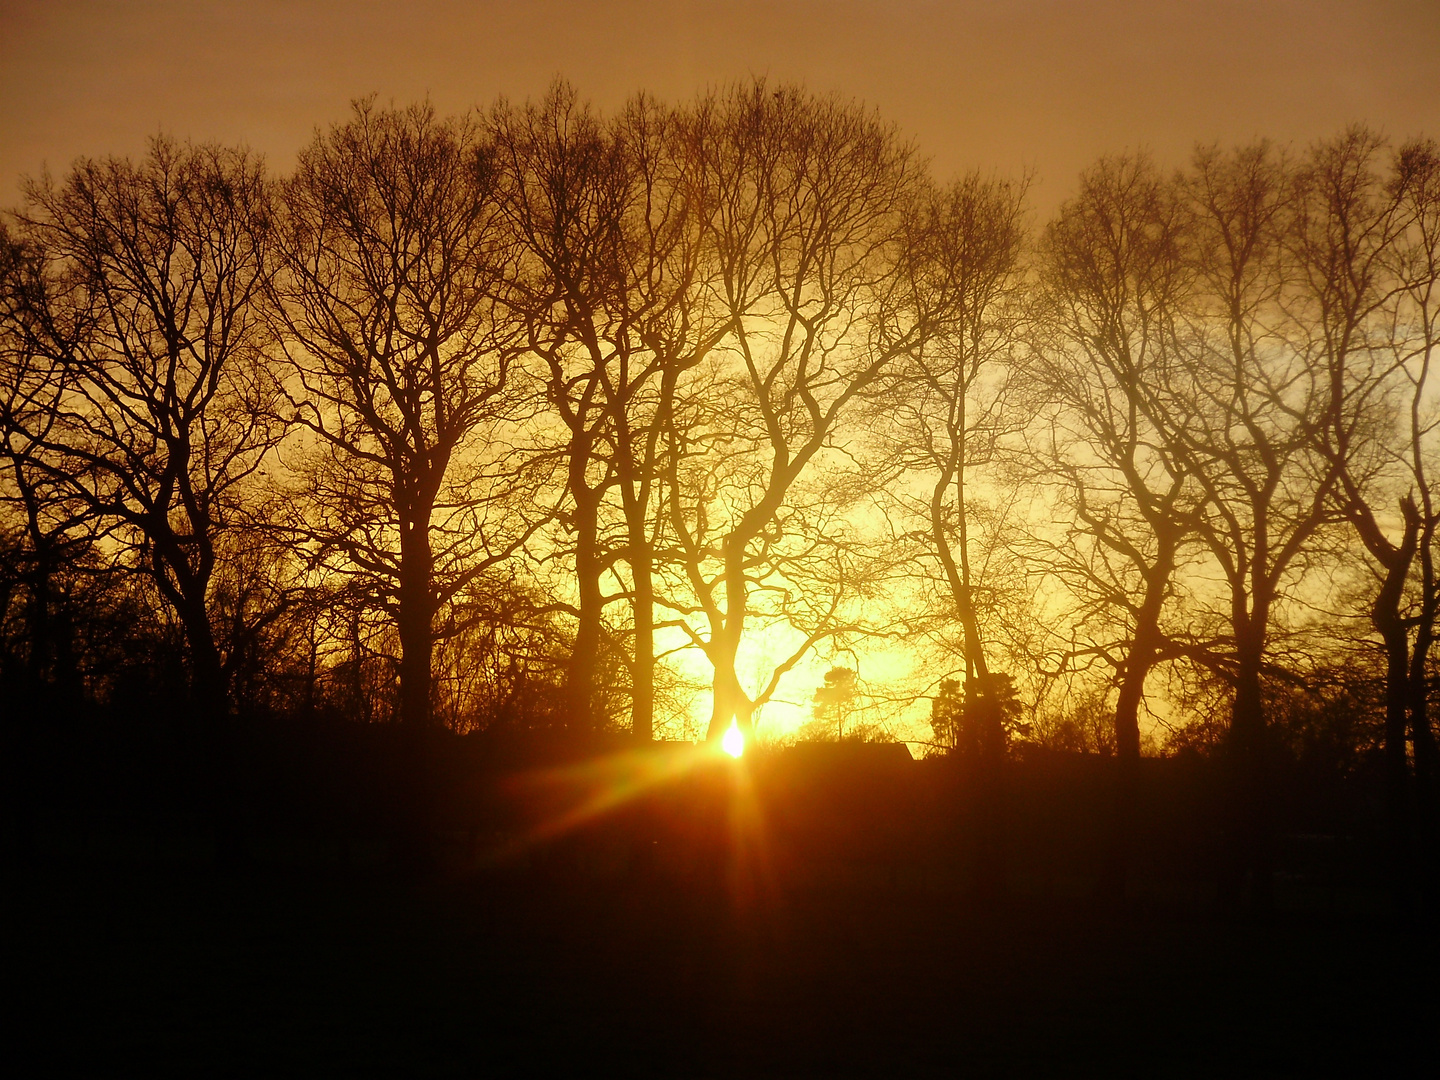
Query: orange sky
x=1005, y=84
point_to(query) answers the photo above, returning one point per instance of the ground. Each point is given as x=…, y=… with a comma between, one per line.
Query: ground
x=520, y=972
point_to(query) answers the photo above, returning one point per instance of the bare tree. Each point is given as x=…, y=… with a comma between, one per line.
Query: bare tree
x=807, y=208
x=1115, y=278
x=564, y=198
x=151, y=411
x=391, y=252
x=951, y=403
x=52, y=528
x=1242, y=413
x=606, y=290
x=678, y=324
x=1368, y=249
x=1416, y=330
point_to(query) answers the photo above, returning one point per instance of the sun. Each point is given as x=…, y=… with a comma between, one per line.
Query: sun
x=733, y=742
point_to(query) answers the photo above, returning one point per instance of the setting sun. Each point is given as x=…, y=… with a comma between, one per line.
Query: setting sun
x=734, y=741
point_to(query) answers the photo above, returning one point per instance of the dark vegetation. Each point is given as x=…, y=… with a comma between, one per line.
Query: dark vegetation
x=812, y=914
x=358, y=523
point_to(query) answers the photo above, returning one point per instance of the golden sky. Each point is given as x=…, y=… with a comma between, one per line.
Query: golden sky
x=1008, y=84
x=1005, y=84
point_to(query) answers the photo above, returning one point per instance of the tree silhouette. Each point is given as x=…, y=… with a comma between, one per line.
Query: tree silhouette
x=475, y=422
x=1368, y=251
x=55, y=529
x=1242, y=411
x=806, y=209
x=143, y=308
x=832, y=700
x=152, y=406
x=391, y=254
x=951, y=403
x=1115, y=279
x=606, y=290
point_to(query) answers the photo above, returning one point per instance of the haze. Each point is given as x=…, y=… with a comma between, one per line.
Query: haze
x=1005, y=85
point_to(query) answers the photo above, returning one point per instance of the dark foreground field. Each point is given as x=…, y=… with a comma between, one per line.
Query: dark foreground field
x=810, y=913
x=143, y=973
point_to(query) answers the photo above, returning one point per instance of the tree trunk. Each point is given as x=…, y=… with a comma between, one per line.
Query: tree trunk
x=730, y=703
x=219, y=773
x=1143, y=650
x=414, y=618
x=17, y=729
x=1115, y=872
x=207, y=671
x=983, y=778
x=1427, y=764
x=642, y=691
x=1385, y=617
x=730, y=700
x=41, y=650
x=1248, y=816
x=584, y=656
x=1397, y=765
x=1427, y=807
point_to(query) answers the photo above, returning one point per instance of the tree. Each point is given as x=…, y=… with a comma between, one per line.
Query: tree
x=1241, y=413
x=832, y=700
x=965, y=724
x=951, y=404
x=1416, y=267
x=1115, y=280
x=947, y=712
x=606, y=291
x=1367, y=249
x=807, y=212
x=391, y=255
x=53, y=530
x=152, y=407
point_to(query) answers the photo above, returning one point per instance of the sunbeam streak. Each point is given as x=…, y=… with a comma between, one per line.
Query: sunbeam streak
x=712, y=803
x=571, y=796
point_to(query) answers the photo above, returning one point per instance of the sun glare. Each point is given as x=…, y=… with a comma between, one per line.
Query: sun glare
x=734, y=741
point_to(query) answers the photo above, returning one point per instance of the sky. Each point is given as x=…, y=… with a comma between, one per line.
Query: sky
x=1008, y=85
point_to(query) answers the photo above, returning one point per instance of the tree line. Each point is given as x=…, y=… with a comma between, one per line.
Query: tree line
x=480, y=420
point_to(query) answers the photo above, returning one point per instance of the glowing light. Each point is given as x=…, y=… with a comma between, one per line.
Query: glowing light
x=734, y=741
